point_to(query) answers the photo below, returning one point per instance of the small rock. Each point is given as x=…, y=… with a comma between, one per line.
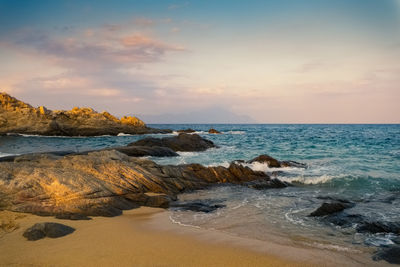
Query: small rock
x=213, y=131
x=188, y=130
x=72, y=216
x=390, y=254
x=47, y=229
x=329, y=208
x=273, y=163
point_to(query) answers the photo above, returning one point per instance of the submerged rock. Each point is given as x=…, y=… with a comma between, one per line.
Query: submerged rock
x=47, y=229
x=378, y=227
x=213, y=131
x=197, y=206
x=182, y=142
x=19, y=117
x=390, y=254
x=329, y=208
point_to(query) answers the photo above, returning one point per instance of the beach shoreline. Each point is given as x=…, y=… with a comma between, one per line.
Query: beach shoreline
x=147, y=237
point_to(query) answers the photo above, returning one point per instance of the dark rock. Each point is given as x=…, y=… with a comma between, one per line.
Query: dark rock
x=273, y=163
x=182, y=142
x=344, y=220
x=329, y=208
x=379, y=227
x=390, y=254
x=291, y=163
x=197, y=206
x=266, y=184
x=189, y=130
x=72, y=216
x=396, y=240
x=142, y=151
x=213, y=131
x=47, y=229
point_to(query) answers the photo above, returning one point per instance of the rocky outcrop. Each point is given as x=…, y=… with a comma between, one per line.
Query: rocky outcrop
x=390, y=254
x=213, y=131
x=19, y=117
x=274, y=163
x=104, y=182
x=47, y=229
x=182, y=142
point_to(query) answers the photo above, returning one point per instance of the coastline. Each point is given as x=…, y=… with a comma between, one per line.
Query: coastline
x=147, y=237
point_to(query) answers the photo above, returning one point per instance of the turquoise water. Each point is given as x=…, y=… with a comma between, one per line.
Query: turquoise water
x=359, y=163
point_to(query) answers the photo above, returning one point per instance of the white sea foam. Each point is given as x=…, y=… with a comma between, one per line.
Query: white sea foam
x=331, y=247
x=182, y=224
x=124, y=134
x=7, y=154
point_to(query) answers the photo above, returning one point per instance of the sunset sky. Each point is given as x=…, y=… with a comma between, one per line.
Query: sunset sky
x=205, y=61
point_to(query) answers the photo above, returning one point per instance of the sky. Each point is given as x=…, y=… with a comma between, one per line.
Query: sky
x=270, y=61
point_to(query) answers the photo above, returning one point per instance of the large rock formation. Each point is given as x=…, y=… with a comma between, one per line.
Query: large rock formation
x=105, y=182
x=182, y=142
x=19, y=117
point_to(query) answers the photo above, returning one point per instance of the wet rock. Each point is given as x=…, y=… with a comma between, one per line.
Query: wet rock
x=390, y=254
x=197, y=206
x=379, y=227
x=142, y=151
x=188, y=130
x=271, y=162
x=292, y=163
x=182, y=142
x=213, y=131
x=329, y=208
x=266, y=184
x=47, y=229
x=344, y=220
x=72, y=216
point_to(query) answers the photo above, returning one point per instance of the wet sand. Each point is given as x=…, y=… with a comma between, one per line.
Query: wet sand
x=146, y=237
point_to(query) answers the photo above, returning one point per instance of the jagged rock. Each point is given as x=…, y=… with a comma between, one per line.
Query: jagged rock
x=188, y=130
x=19, y=117
x=390, y=254
x=266, y=184
x=291, y=163
x=103, y=183
x=47, y=229
x=213, y=131
x=330, y=208
x=197, y=206
x=182, y=142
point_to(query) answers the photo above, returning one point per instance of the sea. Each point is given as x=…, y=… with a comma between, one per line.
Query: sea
x=359, y=164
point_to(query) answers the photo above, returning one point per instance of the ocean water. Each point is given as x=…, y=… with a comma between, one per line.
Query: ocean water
x=358, y=163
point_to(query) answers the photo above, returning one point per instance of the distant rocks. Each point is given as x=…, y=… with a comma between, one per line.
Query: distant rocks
x=213, y=131
x=274, y=163
x=47, y=229
x=19, y=117
x=182, y=142
x=330, y=208
x=188, y=130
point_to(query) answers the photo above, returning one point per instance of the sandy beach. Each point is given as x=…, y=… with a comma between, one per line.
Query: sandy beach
x=146, y=237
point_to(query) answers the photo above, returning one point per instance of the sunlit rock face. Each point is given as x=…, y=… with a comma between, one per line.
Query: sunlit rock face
x=104, y=182
x=19, y=117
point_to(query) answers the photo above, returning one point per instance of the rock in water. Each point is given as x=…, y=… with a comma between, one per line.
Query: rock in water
x=213, y=131
x=19, y=117
x=47, y=229
x=390, y=254
x=329, y=208
x=271, y=162
x=182, y=142
x=197, y=206
x=188, y=130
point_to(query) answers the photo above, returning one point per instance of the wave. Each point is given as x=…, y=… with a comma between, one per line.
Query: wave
x=2, y=155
